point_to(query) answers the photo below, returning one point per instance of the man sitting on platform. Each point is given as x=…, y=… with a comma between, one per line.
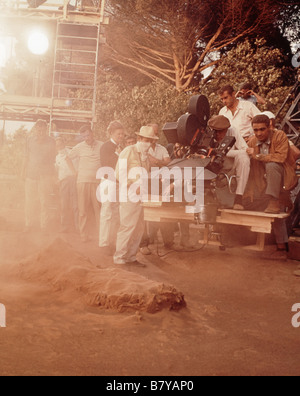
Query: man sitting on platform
x=272, y=175
x=237, y=159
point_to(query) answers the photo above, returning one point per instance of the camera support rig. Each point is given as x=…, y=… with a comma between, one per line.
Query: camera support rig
x=195, y=147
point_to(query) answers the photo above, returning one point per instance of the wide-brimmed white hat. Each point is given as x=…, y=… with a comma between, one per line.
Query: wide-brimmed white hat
x=147, y=132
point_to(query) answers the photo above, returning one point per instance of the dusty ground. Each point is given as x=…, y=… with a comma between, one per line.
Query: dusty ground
x=237, y=320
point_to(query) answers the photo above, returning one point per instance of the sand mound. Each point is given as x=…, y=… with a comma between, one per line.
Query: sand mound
x=116, y=289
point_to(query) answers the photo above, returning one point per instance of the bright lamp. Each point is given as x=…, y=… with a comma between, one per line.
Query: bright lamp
x=38, y=43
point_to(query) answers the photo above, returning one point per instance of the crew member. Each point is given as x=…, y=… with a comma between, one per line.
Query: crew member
x=246, y=93
x=88, y=154
x=131, y=212
x=39, y=171
x=130, y=140
x=272, y=176
x=67, y=176
x=110, y=218
x=239, y=112
x=237, y=159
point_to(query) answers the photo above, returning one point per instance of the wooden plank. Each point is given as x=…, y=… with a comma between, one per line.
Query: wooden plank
x=256, y=224
x=259, y=214
x=167, y=214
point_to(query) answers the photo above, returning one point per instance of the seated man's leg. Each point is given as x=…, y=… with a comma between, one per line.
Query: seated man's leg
x=242, y=169
x=242, y=166
x=274, y=175
x=281, y=234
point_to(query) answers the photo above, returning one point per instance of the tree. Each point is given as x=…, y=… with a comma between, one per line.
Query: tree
x=289, y=20
x=177, y=41
x=160, y=102
x=254, y=62
x=157, y=102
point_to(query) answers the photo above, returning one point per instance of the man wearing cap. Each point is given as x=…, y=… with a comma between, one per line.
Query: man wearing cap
x=130, y=233
x=237, y=159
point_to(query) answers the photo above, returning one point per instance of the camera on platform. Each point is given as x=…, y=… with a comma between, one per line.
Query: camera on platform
x=195, y=146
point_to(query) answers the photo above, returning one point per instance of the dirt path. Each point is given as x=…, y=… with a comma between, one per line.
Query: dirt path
x=237, y=320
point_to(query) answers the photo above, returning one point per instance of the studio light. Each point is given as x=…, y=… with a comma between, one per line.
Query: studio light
x=38, y=43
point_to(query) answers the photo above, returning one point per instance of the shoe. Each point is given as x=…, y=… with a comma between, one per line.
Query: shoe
x=273, y=207
x=173, y=246
x=136, y=264
x=278, y=255
x=238, y=207
x=187, y=246
x=145, y=251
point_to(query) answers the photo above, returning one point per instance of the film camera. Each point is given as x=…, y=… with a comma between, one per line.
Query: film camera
x=195, y=145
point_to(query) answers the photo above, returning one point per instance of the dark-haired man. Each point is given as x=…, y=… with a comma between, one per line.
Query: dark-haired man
x=88, y=154
x=272, y=174
x=246, y=93
x=110, y=217
x=239, y=112
x=38, y=171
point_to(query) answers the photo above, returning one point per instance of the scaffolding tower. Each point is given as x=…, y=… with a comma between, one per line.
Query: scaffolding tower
x=71, y=101
x=291, y=121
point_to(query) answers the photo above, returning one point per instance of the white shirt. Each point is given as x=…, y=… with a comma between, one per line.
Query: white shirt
x=89, y=161
x=160, y=152
x=62, y=166
x=240, y=144
x=242, y=119
x=251, y=99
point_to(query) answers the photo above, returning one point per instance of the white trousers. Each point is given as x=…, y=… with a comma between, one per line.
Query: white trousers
x=109, y=224
x=130, y=232
x=240, y=164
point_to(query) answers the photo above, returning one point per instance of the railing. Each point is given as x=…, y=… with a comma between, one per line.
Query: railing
x=48, y=4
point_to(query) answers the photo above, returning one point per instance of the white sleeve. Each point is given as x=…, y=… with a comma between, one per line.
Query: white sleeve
x=165, y=153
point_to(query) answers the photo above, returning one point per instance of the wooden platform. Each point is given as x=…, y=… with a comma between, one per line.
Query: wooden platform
x=258, y=222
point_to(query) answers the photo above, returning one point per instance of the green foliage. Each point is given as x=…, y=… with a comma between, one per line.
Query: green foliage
x=12, y=153
x=160, y=102
x=256, y=63
x=157, y=102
